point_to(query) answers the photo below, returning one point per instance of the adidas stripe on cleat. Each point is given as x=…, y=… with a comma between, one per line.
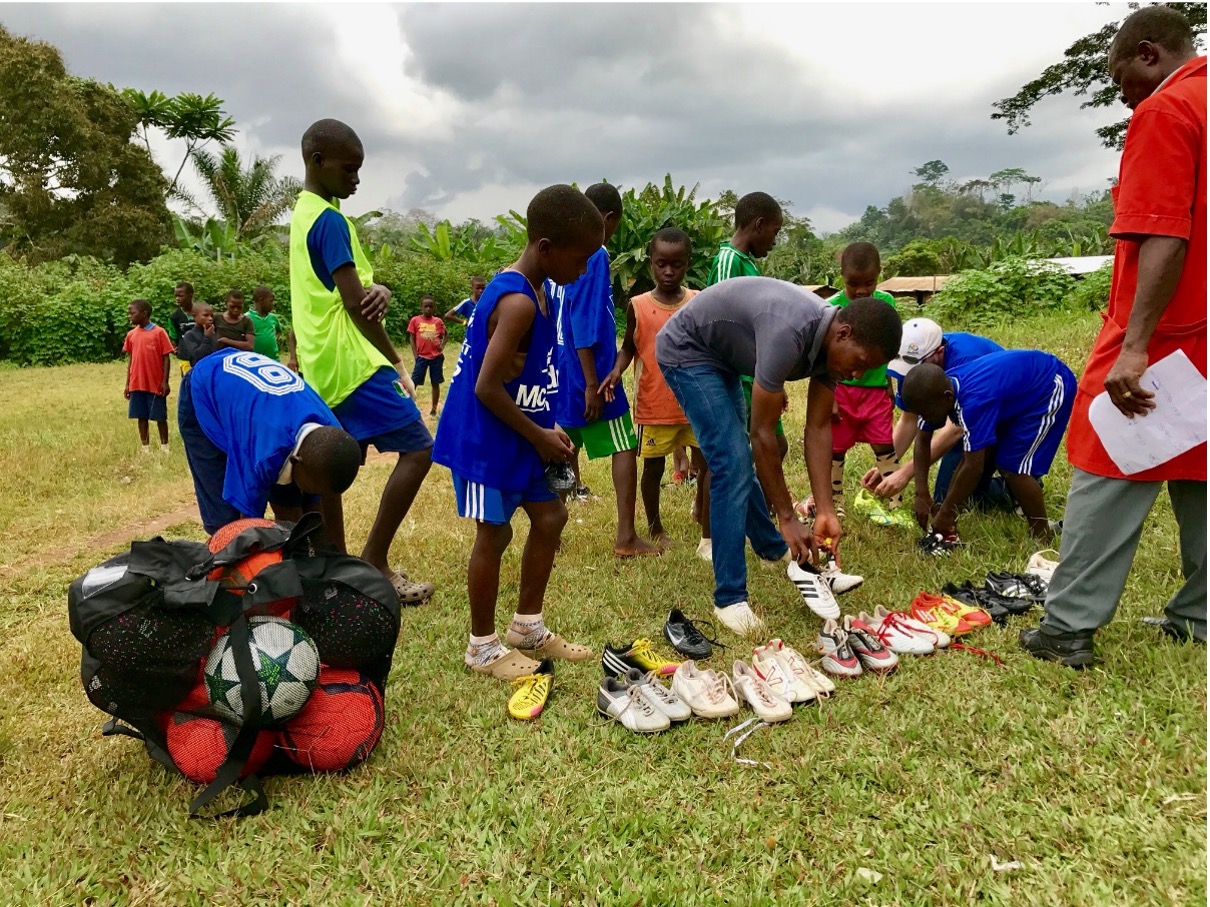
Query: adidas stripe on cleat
x=814, y=589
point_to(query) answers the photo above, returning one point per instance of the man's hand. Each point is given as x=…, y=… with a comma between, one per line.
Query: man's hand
x=922, y=508
x=593, y=404
x=945, y=522
x=827, y=526
x=126, y=393
x=799, y=539
x=375, y=303
x=164, y=388
x=1122, y=382
x=553, y=446
x=607, y=386
x=893, y=484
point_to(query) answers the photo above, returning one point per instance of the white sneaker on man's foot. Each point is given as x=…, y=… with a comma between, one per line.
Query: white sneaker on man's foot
x=705, y=550
x=739, y=618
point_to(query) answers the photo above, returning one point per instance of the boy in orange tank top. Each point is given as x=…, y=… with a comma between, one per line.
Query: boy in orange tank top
x=661, y=423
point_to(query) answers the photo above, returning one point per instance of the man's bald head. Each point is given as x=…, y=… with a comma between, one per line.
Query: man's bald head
x=1160, y=25
x=928, y=392
x=329, y=137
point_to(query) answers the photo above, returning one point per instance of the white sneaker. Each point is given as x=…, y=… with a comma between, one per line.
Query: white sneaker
x=662, y=699
x=768, y=705
x=793, y=659
x=896, y=637
x=777, y=674
x=628, y=706
x=705, y=550
x=839, y=582
x=814, y=590
x=708, y=693
x=740, y=619
x=938, y=638
x=1041, y=566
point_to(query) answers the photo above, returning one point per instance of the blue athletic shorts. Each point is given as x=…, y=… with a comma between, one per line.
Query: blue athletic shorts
x=381, y=413
x=431, y=367
x=1028, y=444
x=478, y=502
x=149, y=406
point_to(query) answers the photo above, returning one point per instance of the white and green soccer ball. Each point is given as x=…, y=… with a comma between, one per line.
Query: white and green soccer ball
x=287, y=669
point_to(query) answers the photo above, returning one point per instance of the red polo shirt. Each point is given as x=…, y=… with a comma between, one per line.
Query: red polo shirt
x=1161, y=191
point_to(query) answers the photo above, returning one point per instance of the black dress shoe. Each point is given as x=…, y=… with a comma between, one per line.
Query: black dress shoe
x=1173, y=629
x=1072, y=650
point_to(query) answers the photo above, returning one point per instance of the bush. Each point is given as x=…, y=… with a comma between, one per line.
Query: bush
x=412, y=275
x=1004, y=291
x=1092, y=293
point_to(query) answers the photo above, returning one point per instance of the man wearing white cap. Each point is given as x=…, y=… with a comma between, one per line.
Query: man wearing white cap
x=924, y=341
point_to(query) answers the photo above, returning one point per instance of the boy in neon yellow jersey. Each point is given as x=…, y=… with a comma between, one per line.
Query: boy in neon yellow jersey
x=342, y=346
x=758, y=220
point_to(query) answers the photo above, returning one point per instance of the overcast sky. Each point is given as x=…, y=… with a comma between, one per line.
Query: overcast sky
x=468, y=109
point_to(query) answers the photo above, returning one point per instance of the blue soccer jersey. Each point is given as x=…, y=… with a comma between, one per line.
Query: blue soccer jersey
x=1018, y=401
x=251, y=408
x=587, y=321
x=465, y=309
x=960, y=348
x=471, y=441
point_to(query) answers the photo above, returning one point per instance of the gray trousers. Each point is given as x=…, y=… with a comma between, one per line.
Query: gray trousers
x=1101, y=530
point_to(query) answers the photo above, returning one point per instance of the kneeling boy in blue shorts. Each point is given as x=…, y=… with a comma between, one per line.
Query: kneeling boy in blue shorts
x=499, y=432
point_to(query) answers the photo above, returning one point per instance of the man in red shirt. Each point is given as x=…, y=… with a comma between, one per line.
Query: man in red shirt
x=1157, y=305
x=427, y=333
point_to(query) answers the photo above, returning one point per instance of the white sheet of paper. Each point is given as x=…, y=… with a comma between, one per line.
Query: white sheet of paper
x=1177, y=424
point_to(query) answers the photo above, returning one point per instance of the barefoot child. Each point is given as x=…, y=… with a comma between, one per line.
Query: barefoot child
x=663, y=427
x=147, y=349
x=427, y=334
x=499, y=433
x=603, y=428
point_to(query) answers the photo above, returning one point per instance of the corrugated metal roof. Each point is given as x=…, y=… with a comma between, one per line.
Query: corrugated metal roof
x=930, y=284
x=822, y=290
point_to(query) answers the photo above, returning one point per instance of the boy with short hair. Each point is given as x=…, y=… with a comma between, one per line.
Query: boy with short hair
x=501, y=432
x=462, y=311
x=758, y=220
x=147, y=349
x=863, y=408
x=663, y=428
x=342, y=347
x=180, y=322
x=603, y=428
x=233, y=328
x=267, y=326
x=427, y=334
x=201, y=341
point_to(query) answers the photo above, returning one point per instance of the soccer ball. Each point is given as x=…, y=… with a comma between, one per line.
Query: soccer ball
x=339, y=726
x=287, y=667
x=236, y=577
x=199, y=746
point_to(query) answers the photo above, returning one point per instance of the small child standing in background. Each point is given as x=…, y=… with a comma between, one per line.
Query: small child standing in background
x=147, y=349
x=863, y=408
x=267, y=327
x=180, y=322
x=201, y=341
x=427, y=333
x=234, y=328
x=462, y=311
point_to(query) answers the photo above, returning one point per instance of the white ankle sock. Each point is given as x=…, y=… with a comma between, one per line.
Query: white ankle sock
x=482, y=650
x=530, y=627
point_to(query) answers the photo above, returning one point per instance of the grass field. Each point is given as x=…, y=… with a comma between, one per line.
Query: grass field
x=904, y=790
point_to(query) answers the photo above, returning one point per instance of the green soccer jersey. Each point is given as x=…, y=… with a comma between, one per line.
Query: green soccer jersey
x=731, y=262
x=875, y=377
x=267, y=328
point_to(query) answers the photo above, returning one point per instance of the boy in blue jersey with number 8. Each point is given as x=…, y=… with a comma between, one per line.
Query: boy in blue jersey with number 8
x=499, y=432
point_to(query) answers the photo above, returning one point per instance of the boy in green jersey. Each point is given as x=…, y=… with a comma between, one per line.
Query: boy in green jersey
x=268, y=326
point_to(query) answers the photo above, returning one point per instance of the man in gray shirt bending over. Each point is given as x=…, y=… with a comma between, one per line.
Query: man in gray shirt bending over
x=777, y=332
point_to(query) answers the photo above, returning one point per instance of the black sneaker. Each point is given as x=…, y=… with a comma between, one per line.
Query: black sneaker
x=1072, y=650
x=937, y=544
x=684, y=636
x=1017, y=585
x=583, y=493
x=1173, y=629
x=971, y=597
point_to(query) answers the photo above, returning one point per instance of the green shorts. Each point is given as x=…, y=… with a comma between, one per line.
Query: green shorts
x=745, y=381
x=604, y=439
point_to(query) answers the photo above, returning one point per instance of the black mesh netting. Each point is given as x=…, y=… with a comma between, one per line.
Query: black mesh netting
x=349, y=629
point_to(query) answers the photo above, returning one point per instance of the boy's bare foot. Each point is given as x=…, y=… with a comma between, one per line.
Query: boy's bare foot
x=637, y=548
x=663, y=540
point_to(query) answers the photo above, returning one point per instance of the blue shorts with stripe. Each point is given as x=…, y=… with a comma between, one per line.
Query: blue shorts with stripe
x=484, y=504
x=1028, y=443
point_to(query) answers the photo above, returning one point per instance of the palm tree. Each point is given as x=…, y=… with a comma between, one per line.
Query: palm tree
x=250, y=201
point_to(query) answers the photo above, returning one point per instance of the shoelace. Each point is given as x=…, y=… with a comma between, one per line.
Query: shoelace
x=717, y=686
x=974, y=651
x=748, y=728
x=642, y=651
x=666, y=695
x=901, y=621
x=893, y=622
x=635, y=698
x=693, y=635
x=532, y=681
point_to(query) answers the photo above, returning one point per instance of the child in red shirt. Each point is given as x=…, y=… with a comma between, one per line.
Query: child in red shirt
x=147, y=349
x=427, y=333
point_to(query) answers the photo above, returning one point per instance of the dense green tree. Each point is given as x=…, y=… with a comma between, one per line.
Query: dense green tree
x=196, y=119
x=1084, y=71
x=249, y=198
x=931, y=173
x=72, y=181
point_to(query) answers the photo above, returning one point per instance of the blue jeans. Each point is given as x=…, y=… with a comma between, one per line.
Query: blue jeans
x=714, y=404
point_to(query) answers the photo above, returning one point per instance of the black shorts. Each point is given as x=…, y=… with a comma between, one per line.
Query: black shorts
x=149, y=406
x=432, y=367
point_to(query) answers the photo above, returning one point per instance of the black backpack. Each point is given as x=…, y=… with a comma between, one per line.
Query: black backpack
x=147, y=619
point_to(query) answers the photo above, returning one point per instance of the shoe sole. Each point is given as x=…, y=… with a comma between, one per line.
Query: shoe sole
x=1079, y=661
